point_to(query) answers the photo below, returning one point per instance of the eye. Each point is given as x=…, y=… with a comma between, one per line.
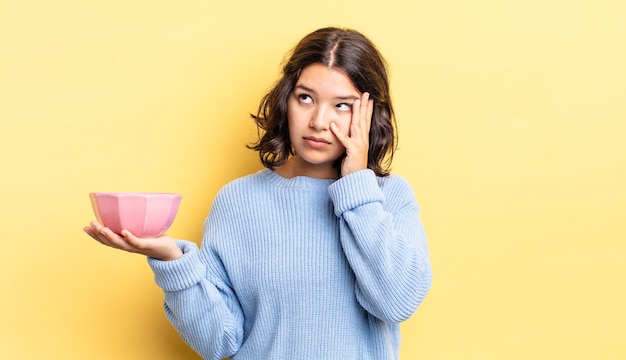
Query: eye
x=344, y=107
x=304, y=98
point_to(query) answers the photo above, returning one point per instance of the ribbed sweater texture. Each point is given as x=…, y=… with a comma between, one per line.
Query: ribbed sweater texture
x=301, y=268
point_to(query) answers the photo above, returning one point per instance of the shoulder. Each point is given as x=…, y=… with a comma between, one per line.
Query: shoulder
x=240, y=194
x=393, y=180
x=246, y=183
x=395, y=183
x=246, y=189
x=397, y=190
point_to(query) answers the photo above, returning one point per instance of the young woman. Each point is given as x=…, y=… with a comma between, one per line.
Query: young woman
x=320, y=255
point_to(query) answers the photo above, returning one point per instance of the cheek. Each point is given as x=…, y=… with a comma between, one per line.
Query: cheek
x=295, y=114
x=344, y=124
x=289, y=110
x=292, y=118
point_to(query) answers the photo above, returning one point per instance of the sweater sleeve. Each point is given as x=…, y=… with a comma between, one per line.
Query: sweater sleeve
x=383, y=239
x=200, y=304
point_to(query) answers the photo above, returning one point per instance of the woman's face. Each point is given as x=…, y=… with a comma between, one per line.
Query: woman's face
x=322, y=95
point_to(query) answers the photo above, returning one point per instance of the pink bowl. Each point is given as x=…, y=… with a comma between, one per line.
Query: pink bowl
x=143, y=214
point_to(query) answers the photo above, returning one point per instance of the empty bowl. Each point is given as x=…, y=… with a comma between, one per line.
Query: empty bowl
x=144, y=214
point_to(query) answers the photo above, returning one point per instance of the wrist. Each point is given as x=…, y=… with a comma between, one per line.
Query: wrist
x=173, y=255
x=166, y=250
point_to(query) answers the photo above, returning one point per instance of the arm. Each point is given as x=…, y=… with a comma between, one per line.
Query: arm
x=384, y=242
x=199, y=303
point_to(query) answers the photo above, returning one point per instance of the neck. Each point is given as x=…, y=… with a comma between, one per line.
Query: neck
x=296, y=167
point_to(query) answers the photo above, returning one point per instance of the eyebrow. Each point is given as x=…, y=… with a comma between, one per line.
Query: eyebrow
x=345, y=97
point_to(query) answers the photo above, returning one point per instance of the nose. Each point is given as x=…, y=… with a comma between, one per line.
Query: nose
x=319, y=119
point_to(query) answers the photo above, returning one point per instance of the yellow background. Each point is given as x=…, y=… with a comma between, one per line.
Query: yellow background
x=512, y=119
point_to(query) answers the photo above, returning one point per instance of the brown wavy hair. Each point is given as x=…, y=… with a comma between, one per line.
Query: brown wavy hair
x=354, y=54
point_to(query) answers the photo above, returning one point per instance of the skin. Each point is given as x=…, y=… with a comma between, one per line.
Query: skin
x=327, y=117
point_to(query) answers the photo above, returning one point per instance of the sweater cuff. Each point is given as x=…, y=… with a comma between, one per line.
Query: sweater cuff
x=355, y=189
x=182, y=273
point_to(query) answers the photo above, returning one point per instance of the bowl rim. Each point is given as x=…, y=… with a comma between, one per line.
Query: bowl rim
x=133, y=193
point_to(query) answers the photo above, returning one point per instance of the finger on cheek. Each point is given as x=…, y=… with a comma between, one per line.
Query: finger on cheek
x=335, y=129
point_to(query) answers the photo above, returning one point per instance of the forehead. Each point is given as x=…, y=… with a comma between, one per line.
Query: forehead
x=322, y=79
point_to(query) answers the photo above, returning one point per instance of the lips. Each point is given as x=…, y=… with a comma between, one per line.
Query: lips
x=316, y=143
x=317, y=140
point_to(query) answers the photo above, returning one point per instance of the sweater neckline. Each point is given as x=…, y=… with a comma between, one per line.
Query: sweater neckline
x=297, y=181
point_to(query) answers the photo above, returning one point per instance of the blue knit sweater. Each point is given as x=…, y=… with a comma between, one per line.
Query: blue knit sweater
x=301, y=268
